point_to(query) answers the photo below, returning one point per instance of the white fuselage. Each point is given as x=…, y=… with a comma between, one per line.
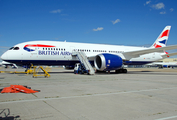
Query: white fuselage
x=60, y=53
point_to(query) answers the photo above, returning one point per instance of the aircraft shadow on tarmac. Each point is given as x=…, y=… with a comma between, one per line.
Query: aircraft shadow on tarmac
x=140, y=73
x=5, y=115
x=129, y=72
x=152, y=73
x=61, y=72
x=111, y=73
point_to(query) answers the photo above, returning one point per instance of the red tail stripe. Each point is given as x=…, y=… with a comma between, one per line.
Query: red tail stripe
x=165, y=33
x=38, y=45
x=157, y=46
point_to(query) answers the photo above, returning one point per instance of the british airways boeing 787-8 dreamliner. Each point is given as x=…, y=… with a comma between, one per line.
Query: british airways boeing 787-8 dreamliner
x=102, y=57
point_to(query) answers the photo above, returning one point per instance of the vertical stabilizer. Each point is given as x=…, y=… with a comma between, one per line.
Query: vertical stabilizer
x=161, y=41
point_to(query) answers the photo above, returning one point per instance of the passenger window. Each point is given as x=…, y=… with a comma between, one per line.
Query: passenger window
x=48, y=48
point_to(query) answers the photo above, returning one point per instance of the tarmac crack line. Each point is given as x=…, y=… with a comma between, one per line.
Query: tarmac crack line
x=55, y=108
x=167, y=118
x=90, y=95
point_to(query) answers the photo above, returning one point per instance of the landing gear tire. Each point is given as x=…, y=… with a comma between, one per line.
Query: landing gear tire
x=82, y=72
x=117, y=71
x=121, y=71
x=124, y=70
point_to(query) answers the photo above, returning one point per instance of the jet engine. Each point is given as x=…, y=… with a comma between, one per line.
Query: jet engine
x=105, y=62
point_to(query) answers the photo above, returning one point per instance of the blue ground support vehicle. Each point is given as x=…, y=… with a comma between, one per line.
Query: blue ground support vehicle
x=80, y=69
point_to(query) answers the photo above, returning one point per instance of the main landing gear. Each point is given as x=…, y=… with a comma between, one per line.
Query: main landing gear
x=121, y=71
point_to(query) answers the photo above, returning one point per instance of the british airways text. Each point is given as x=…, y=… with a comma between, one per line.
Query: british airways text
x=40, y=52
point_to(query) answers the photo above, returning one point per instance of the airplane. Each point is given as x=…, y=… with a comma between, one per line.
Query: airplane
x=6, y=64
x=163, y=64
x=102, y=57
x=1, y=64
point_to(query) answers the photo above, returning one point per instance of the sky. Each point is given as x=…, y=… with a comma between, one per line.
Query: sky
x=117, y=22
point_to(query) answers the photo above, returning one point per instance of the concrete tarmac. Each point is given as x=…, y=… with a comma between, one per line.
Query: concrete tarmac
x=141, y=94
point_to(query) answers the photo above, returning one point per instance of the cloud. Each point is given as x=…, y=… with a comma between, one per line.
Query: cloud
x=147, y=2
x=116, y=21
x=171, y=9
x=158, y=6
x=56, y=11
x=98, y=29
x=64, y=14
x=162, y=12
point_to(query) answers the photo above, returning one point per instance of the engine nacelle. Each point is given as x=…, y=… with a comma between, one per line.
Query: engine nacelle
x=105, y=62
x=165, y=66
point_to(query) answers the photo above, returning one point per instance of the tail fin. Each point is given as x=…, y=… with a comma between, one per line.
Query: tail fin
x=161, y=41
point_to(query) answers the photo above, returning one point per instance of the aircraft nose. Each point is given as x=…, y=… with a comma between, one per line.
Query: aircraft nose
x=4, y=56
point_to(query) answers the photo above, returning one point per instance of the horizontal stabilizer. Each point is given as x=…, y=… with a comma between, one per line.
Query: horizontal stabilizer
x=169, y=55
x=134, y=54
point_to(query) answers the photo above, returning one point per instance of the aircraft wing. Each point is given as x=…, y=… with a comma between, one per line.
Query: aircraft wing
x=137, y=53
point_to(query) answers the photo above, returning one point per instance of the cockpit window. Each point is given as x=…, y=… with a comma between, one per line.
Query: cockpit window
x=16, y=48
x=11, y=48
